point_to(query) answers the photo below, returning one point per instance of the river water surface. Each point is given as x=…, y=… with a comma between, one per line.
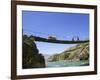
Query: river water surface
x=66, y=63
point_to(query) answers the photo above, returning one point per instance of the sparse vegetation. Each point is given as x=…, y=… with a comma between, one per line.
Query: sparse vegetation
x=31, y=56
x=78, y=52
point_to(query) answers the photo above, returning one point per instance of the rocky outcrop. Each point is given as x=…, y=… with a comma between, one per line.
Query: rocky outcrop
x=78, y=52
x=31, y=58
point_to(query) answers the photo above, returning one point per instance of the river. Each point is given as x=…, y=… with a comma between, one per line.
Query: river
x=67, y=63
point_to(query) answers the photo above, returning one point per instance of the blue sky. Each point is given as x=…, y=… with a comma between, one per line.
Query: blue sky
x=62, y=25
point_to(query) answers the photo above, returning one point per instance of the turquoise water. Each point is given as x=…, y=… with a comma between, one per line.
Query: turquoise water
x=66, y=63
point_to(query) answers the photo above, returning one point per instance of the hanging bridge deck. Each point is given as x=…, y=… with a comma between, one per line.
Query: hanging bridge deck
x=40, y=39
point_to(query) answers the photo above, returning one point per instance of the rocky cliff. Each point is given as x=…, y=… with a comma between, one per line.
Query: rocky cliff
x=78, y=52
x=31, y=58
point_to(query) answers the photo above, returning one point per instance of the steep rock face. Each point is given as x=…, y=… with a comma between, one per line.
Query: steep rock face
x=31, y=56
x=78, y=52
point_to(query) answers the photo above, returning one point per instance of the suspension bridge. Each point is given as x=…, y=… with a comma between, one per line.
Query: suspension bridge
x=52, y=39
x=41, y=39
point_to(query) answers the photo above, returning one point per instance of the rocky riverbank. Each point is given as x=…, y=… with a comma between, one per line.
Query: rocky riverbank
x=31, y=58
x=78, y=52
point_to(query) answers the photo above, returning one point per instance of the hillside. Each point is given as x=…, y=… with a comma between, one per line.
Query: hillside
x=31, y=57
x=78, y=52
